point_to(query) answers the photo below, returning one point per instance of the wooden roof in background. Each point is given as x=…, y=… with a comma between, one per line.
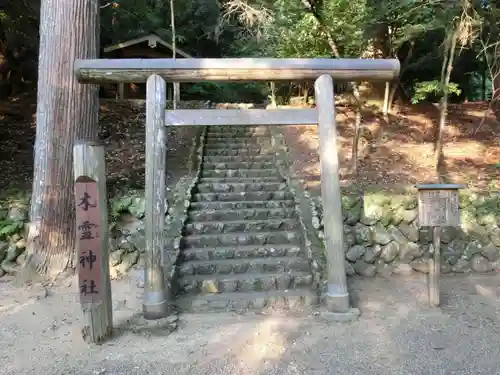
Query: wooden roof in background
x=152, y=40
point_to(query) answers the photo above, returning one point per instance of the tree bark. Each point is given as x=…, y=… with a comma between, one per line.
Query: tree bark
x=176, y=85
x=273, y=93
x=310, y=6
x=445, y=81
x=66, y=111
x=385, y=108
x=397, y=81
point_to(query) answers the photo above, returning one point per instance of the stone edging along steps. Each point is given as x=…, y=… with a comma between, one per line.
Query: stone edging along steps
x=243, y=243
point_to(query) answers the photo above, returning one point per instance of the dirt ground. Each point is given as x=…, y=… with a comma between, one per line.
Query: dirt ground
x=396, y=334
x=405, y=152
x=121, y=129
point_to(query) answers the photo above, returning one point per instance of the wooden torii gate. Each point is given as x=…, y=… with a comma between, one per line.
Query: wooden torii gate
x=156, y=71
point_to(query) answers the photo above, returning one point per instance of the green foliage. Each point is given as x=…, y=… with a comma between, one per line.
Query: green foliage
x=9, y=227
x=13, y=224
x=294, y=31
x=288, y=28
x=226, y=92
x=432, y=89
x=119, y=205
x=127, y=201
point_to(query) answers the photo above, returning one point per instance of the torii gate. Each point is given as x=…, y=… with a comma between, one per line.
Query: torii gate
x=154, y=71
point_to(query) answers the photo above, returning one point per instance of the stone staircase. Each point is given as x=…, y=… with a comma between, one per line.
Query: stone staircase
x=242, y=246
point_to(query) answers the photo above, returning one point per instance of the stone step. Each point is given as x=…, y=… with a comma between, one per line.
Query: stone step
x=233, y=239
x=292, y=300
x=238, y=158
x=229, y=146
x=231, y=143
x=243, y=139
x=213, y=284
x=246, y=180
x=238, y=137
x=239, y=205
x=243, y=196
x=240, y=187
x=247, y=226
x=233, y=267
x=238, y=165
x=239, y=173
x=241, y=214
x=238, y=131
x=240, y=252
x=237, y=152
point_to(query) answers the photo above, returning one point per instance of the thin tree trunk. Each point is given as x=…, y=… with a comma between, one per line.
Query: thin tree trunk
x=492, y=70
x=355, y=141
x=446, y=74
x=385, y=108
x=483, y=79
x=395, y=84
x=174, y=52
x=357, y=99
x=273, y=93
x=66, y=111
x=385, y=113
x=305, y=92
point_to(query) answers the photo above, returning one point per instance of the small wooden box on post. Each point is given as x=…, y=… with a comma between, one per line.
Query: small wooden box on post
x=92, y=240
x=437, y=207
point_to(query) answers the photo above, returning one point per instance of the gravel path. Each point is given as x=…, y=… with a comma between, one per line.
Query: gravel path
x=396, y=334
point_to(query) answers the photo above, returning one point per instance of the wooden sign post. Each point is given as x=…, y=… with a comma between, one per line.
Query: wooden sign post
x=437, y=207
x=94, y=285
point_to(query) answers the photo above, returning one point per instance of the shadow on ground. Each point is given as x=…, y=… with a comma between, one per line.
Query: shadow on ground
x=396, y=334
x=403, y=152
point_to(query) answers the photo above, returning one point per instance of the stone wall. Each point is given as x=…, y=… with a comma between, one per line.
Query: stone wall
x=13, y=216
x=127, y=240
x=381, y=231
x=382, y=234
x=126, y=210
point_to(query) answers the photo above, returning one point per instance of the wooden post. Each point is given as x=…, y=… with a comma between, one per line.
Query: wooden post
x=92, y=240
x=155, y=294
x=337, y=297
x=435, y=267
x=120, y=93
x=437, y=207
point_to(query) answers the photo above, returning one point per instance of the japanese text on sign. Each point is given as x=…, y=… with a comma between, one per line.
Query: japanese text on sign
x=88, y=241
x=438, y=208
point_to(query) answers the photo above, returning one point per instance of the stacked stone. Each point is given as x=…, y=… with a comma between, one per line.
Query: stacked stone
x=382, y=235
x=12, y=249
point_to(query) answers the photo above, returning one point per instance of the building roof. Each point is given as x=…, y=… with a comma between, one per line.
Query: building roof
x=152, y=40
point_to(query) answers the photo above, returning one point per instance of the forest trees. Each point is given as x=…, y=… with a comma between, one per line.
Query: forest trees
x=439, y=43
x=18, y=45
x=66, y=111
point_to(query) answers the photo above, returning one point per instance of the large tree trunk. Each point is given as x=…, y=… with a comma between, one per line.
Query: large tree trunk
x=66, y=111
